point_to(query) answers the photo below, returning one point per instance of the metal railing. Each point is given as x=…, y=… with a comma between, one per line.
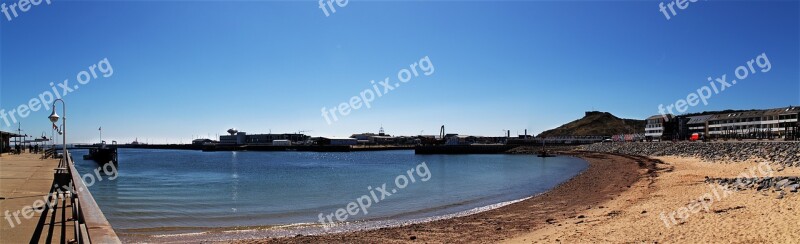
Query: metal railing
x=91, y=225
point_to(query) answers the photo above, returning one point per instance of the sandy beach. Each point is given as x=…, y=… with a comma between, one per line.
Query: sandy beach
x=606, y=179
x=747, y=216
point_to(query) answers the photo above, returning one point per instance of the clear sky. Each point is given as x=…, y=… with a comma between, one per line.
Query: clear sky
x=189, y=68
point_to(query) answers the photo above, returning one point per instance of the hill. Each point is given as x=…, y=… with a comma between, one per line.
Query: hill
x=597, y=124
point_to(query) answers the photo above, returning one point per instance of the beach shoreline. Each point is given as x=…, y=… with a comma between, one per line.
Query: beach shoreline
x=607, y=176
x=644, y=213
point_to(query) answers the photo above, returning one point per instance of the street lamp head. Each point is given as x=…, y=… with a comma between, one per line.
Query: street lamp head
x=53, y=116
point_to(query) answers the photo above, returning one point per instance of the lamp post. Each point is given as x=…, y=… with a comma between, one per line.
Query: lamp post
x=16, y=139
x=54, y=118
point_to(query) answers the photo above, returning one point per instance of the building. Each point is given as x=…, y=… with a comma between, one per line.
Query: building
x=776, y=123
x=5, y=141
x=268, y=139
x=693, y=124
x=659, y=127
x=380, y=138
x=200, y=142
x=335, y=141
x=242, y=138
x=734, y=125
x=281, y=143
x=237, y=138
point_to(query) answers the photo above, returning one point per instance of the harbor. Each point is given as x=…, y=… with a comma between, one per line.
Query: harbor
x=509, y=122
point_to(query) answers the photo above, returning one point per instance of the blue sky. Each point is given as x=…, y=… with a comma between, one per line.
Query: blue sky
x=184, y=68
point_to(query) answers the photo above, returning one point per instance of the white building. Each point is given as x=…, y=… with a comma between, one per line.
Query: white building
x=777, y=122
x=654, y=128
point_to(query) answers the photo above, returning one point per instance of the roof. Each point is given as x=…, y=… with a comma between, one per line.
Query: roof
x=757, y=113
x=699, y=119
x=10, y=134
x=661, y=116
x=338, y=138
x=784, y=110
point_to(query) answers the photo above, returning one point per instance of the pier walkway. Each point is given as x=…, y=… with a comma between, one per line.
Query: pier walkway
x=32, y=211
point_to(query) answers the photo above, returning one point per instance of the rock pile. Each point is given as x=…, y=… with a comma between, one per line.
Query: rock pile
x=783, y=153
x=784, y=184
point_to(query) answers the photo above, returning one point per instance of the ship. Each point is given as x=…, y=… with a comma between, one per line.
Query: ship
x=102, y=153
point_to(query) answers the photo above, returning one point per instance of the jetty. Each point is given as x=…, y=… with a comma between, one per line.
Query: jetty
x=44, y=200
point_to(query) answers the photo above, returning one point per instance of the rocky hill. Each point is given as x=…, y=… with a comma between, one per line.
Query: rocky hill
x=597, y=124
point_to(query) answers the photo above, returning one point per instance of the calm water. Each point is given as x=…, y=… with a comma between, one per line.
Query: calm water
x=171, y=188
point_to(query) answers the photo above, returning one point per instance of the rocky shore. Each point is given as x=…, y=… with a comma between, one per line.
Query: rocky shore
x=778, y=184
x=782, y=153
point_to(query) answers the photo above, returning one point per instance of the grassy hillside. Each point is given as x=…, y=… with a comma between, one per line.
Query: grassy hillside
x=597, y=124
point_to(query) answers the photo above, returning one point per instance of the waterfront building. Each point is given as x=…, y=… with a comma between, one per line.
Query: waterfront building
x=734, y=125
x=693, y=124
x=242, y=138
x=658, y=127
x=335, y=141
x=381, y=138
x=775, y=123
x=281, y=143
x=200, y=142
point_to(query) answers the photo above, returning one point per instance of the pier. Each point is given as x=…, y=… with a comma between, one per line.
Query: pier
x=36, y=207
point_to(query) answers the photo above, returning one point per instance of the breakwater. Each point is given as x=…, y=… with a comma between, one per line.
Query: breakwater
x=464, y=149
x=555, y=149
x=223, y=147
x=783, y=153
x=269, y=148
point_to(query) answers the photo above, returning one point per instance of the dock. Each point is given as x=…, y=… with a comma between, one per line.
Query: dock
x=34, y=210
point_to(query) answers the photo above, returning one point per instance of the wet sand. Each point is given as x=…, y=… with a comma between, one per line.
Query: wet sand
x=606, y=179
